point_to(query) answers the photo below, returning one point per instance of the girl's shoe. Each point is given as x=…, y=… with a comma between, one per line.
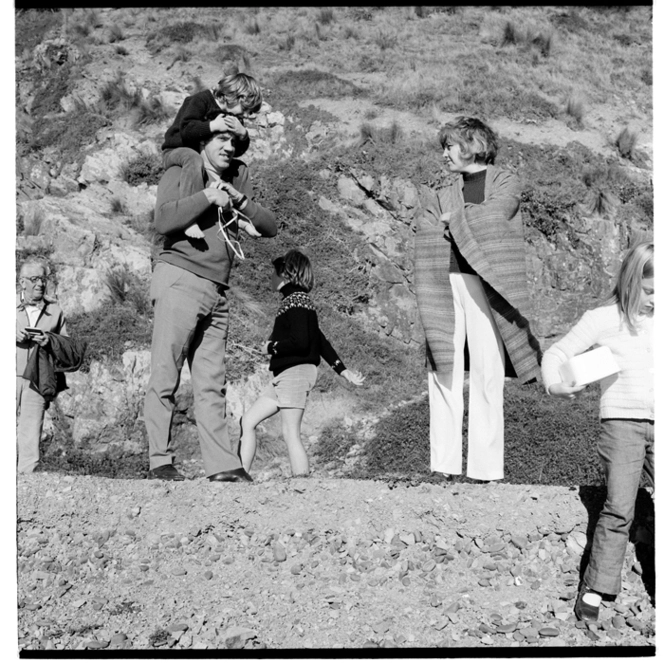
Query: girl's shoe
x=584, y=611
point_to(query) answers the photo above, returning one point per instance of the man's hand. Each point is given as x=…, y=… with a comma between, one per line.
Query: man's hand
x=21, y=336
x=445, y=218
x=235, y=196
x=564, y=390
x=41, y=339
x=353, y=377
x=265, y=345
x=217, y=197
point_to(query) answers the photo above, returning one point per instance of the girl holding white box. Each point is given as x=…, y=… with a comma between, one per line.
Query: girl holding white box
x=626, y=446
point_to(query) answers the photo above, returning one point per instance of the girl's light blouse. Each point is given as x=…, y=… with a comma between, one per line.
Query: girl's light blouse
x=630, y=393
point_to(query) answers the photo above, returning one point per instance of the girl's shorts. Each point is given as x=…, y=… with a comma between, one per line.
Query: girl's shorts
x=291, y=387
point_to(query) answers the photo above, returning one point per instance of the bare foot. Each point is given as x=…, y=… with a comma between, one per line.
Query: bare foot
x=194, y=232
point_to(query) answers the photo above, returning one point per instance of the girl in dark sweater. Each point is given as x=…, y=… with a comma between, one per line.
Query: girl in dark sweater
x=295, y=346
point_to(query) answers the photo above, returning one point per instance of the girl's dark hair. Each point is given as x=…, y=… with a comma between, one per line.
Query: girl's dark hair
x=295, y=268
x=475, y=138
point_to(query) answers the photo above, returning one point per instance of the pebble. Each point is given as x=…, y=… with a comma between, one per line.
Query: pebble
x=549, y=632
x=180, y=572
x=96, y=644
x=636, y=624
x=279, y=552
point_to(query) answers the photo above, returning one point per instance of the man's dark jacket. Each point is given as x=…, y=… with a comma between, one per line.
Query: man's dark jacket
x=46, y=366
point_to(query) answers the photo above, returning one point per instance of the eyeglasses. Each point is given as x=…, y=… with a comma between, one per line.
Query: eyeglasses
x=223, y=236
x=35, y=279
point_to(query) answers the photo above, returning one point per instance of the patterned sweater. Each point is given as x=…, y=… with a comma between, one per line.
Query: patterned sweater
x=625, y=395
x=296, y=338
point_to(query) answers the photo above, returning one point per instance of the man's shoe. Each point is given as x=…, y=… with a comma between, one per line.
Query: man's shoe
x=231, y=475
x=584, y=611
x=166, y=473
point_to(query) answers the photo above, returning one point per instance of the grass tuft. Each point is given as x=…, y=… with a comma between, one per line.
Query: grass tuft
x=386, y=41
x=574, y=107
x=117, y=206
x=115, y=33
x=626, y=143
x=32, y=222
x=287, y=44
x=253, y=27
x=325, y=15
x=117, y=281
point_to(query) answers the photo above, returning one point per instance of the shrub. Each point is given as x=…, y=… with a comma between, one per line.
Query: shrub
x=626, y=142
x=121, y=50
x=350, y=33
x=546, y=442
x=114, y=327
x=145, y=167
x=114, y=463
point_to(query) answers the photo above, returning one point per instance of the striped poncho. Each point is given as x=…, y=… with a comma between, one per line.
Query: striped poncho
x=490, y=238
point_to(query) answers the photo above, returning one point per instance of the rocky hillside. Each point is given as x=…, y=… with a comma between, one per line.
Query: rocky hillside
x=340, y=151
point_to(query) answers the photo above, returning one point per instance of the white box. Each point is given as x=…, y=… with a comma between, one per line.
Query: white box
x=589, y=367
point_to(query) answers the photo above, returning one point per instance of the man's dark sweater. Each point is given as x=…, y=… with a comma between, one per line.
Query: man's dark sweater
x=192, y=124
x=473, y=192
x=296, y=338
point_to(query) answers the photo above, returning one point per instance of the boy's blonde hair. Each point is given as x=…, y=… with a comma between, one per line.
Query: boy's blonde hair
x=235, y=88
x=295, y=268
x=476, y=139
x=638, y=264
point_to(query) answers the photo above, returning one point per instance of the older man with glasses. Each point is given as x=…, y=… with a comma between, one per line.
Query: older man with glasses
x=189, y=293
x=36, y=314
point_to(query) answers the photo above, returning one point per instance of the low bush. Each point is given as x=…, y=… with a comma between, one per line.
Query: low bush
x=115, y=326
x=114, y=463
x=547, y=442
x=146, y=168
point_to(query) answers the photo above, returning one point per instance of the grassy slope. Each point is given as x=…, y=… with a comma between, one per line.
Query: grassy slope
x=519, y=63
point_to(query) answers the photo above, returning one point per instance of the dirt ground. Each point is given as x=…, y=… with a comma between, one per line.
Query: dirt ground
x=318, y=563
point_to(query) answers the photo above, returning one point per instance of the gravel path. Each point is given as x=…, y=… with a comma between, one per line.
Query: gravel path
x=313, y=563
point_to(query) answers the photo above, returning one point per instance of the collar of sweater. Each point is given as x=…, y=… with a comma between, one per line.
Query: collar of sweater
x=290, y=288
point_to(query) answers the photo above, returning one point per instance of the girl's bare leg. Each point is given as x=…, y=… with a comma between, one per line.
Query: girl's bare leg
x=291, y=421
x=262, y=409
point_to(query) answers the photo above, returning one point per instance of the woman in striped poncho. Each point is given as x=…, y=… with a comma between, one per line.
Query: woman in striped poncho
x=470, y=284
